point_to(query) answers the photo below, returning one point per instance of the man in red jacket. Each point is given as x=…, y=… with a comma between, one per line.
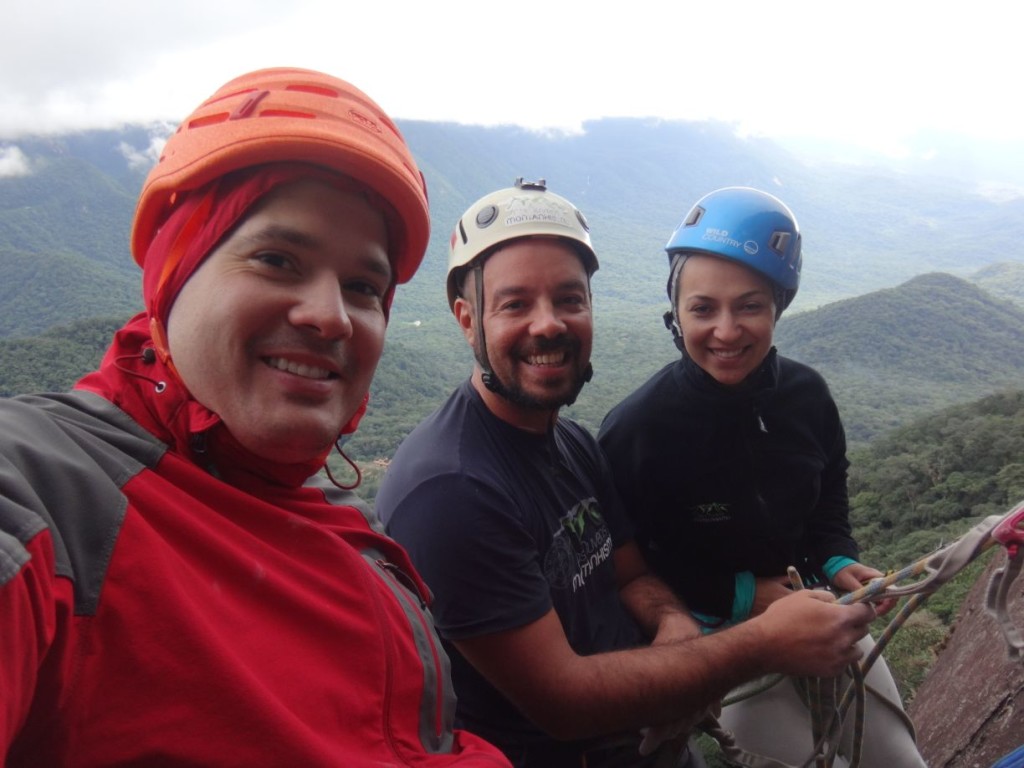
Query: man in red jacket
x=172, y=589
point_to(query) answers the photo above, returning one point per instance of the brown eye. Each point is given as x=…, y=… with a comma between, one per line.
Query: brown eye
x=363, y=287
x=275, y=259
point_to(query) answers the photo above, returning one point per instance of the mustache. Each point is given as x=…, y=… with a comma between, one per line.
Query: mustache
x=541, y=345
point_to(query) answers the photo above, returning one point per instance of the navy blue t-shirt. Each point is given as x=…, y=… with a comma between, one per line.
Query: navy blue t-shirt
x=504, y=525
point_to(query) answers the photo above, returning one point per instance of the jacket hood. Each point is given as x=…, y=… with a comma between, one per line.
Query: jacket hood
x=138, y=373
x=141, y=383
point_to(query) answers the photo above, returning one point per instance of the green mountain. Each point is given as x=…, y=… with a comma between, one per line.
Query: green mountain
x=892, y=354
x=1004, y=280
x=43, y=290
x=68, y=204
x=64, y=238
x=864, y=228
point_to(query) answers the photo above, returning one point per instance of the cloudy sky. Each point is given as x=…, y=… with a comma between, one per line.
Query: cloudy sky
x=873, y=73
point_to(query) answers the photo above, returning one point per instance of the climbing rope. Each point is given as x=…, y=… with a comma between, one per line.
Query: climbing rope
x=931, y=572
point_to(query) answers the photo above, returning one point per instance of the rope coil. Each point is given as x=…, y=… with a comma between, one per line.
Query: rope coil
x=827, y=715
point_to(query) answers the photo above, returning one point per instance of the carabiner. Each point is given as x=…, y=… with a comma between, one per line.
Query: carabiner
x=1010, y=530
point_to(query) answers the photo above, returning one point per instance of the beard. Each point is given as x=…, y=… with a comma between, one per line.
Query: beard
x=512, y=390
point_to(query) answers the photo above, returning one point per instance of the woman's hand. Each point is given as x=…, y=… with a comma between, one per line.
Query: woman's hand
x=854, y=576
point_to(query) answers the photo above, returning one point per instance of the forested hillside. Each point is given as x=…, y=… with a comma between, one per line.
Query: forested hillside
x=64, y=234
x=889, y=356
x=1004, y=280
x=53, y=361
x=939, y=474
x=922, y=486
x=931, y=342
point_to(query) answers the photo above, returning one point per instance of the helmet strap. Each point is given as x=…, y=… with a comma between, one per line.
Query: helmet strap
x=672, y=323
x=671, y=317
x=487, y=375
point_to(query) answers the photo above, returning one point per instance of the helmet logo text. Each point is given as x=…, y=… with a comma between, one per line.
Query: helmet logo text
x=525, y=210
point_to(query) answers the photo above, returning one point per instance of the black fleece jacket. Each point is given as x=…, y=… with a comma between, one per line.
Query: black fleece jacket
x=721, y=480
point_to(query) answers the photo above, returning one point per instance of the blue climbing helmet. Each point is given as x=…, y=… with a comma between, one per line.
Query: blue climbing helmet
x=744, y=225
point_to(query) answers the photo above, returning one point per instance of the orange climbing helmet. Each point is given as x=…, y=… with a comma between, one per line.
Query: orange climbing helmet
x=292, y=115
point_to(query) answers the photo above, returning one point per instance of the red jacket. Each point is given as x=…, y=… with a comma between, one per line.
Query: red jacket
x=154, y=611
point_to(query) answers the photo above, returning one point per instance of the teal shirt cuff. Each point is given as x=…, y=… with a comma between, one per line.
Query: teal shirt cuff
x=835, y=564
x=743, y=600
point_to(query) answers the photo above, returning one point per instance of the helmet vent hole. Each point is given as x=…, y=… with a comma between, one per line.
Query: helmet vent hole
x=318, y=90
x=779, y=242
x=226, y=96
x=201, y=122
x=695, y=215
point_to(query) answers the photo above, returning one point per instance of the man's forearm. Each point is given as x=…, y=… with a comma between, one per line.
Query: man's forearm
x=632, y=689
x=660, y=613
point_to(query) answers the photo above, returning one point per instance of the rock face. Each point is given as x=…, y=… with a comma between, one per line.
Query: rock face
x=969, y=711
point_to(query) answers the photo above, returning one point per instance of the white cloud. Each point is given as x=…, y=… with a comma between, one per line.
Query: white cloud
x=13, y=162
x=66, y=65
x=873, y=73
x=146, y=157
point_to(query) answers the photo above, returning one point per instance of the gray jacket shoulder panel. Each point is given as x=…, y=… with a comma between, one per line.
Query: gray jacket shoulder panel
x=341, y=497
x=63, y=462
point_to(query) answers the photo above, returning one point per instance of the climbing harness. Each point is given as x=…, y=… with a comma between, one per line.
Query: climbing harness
x=828, y=708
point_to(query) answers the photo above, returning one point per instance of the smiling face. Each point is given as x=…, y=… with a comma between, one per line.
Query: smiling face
x=538, y=328
x=280, y=329
x=727, y=317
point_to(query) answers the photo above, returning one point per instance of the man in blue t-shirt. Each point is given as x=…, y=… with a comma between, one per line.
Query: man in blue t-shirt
x=563, y=646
